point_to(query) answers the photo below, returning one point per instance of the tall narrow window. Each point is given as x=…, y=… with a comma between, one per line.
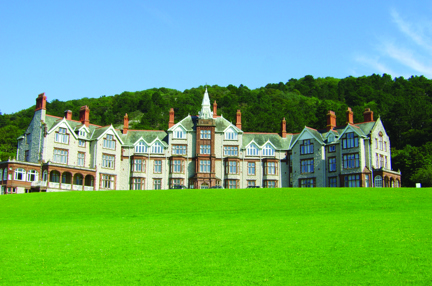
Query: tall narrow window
x=204, y=166
x=61, y=136
x=270, y=168
x=332, y=164
x=176, y=166
x=251, y=168
x=157, y=148
x=179, y=133
x=157, y=166
x=157, y=184
x=109, y=142
x=349, y=141
x=81, y=157
x=232, y=167
x=307, y=166
x=307, y=147
x=230, y=134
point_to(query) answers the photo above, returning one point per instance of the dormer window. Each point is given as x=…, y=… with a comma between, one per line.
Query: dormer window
x=268, y=150
x=331, y=138
x=157, y=148
x=61, y=136
x=252, y=150
x=230, y=134
x=141, y=147
x=108, y=142
x=82, y=133
x=179, y=133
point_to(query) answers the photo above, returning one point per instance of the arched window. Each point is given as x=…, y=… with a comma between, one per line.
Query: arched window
x=32, y=176
x=378, y=182
x=252, y=150
x=157, y=147
x=55, y=177
x=20, y=174
x=141, y=147
x=230, y=134
x=179, y=133
x=268, y=150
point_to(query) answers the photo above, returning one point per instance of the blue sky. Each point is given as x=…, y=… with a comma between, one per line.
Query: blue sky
x=75, y=49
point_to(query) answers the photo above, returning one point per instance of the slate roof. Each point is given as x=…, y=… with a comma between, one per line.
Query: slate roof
x=133, y=136
x=261, y=138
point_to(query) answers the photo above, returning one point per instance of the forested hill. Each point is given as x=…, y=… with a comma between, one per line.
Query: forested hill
x=404, y=105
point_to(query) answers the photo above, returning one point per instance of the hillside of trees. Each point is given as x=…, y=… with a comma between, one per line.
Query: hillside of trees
x=404, y=105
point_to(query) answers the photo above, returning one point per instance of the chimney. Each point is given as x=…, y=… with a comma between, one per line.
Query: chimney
x=368, y=115
x=68, y=115
x=283, y=128
x=41, y=102
x=214, y=109
x=238, y=123
x=84, y=115
x=349, y=116
x=171, y=118
x=331, y=120
x=125, y=124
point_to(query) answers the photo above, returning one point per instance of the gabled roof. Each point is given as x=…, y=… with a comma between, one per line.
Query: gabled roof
x=102, y=131
x=148, y=136
x=262, y=138
x=354, y=128
x=313, y=132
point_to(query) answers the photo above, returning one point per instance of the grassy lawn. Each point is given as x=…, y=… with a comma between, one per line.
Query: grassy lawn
x=218, y=237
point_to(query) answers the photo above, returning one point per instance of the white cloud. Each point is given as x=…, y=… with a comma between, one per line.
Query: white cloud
x=415, y=54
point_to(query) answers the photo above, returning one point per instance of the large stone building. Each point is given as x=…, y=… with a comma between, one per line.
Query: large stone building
x=61, y=154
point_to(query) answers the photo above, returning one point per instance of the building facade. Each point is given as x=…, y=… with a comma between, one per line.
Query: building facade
x=207, y=150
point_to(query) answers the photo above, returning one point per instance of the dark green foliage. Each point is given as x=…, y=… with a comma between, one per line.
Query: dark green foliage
x=403, y=104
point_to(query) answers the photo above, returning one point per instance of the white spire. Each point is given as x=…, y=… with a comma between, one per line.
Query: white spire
x=205, y=112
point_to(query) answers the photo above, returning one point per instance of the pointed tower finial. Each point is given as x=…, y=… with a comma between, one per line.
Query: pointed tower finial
x=205, y=112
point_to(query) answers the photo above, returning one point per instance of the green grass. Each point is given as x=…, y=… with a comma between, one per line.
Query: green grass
x=218, y=237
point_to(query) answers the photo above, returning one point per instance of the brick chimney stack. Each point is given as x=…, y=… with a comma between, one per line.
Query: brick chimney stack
x=284, y=128
x=125, y=123
x=68, y=115
x=171, y=118
x=85, y=115
x=349, y=116
x=214, y=109
x=368, y=115
x=331, y=120
x=238, y=123
x=41, y=102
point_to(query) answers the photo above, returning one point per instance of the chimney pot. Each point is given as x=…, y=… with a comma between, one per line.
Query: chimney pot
x=171, y=118
x=68, y=115
x=85, y=115
x=238, y=122
x=349, y=116
x=331, y=120
x=368, y=115
x=284, y=128
x=125, y=123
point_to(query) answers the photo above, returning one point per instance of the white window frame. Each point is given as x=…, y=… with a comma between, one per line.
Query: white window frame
x=20, y=174
x=141, y=147
x=205, y=149
x=205, y=134
x=81, y=159
x=61, y=136
x=108, y=161
x=179, y=133
x=268, y=150
x=230, y=134
x=109, y=142
x=252, y=150
x=60, y=156
x=157, y=148
x=205, y=166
